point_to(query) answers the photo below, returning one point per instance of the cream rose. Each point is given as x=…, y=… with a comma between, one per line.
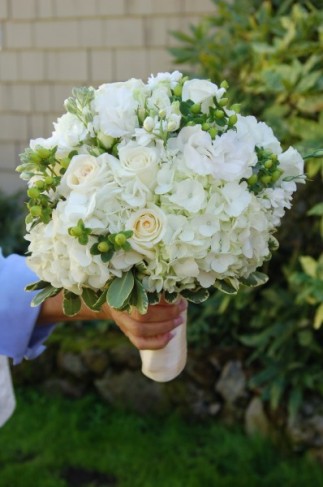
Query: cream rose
x=140, y=161
x=148, y=226
x=86, y=173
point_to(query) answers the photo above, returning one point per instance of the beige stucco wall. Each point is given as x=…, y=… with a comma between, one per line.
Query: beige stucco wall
x=49, y=46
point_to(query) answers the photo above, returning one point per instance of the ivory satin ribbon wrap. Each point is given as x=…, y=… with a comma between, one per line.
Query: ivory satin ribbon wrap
x=7, y=396
x=167, y=363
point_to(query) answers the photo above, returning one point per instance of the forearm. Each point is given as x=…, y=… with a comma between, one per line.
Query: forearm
x=52, y=312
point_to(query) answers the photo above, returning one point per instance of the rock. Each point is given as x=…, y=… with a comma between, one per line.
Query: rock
x=58, y=386
x=131, y=390
x=305, y=432
x=232, y=383
x=200, y=372
x=256, y=421
x=125, y=355
x=96, y=360
x=214, y=408
x=72, y=363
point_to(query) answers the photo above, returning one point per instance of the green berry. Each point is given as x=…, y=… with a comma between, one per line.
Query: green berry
x=196, y=108
x=268, y=164
x=266, y=179
x=120, y=239
x=213, y=132
x=205, y=126
x=178, y=90
x=33, y=193
x=253, y=179
x=36, y=211
x=76, y=231
x=103, y=246
x=223, y=102
x=233, y=120
x=219, y=113
x=49, y=180
x=276, y=175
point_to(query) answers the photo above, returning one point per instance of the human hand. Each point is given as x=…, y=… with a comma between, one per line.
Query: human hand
x=153, y=330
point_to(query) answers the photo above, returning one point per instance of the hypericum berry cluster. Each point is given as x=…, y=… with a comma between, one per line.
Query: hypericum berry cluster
x=266, y=172
x=216, y=121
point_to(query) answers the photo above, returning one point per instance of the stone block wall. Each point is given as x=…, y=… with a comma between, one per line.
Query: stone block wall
x=49, y=46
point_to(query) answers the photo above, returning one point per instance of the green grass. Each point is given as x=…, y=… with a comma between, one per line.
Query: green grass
x=48, y=435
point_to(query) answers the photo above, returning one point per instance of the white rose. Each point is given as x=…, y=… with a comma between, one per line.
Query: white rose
x=140, y=161
x=148, y=226
x=116, y=106
x=201, y=91
x=86, y=173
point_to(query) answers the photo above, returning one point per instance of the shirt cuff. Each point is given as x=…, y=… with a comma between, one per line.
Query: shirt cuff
x=19, y=337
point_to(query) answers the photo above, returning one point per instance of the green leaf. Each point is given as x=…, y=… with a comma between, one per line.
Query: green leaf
x=101, y=300
x=225, y=287
x=139, y=298
x=196, y=297
x=309, y=265
x=34, y=286
x=170, y=297
x=120, y=290
x=318, y=318
x=153, y=298
x=317, y=210
x=47, y=292
x=106, y=256
x=294, y=402
x=71, y=303
x=90, y=298
x=255, y=279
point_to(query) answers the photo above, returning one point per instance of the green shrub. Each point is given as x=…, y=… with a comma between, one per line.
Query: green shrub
x=271, y=53
x=12, y=223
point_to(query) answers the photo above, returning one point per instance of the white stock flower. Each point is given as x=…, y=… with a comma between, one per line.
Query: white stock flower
x=233, y=157
x=202, y=91
x=116, y=107
x=292, y=163
x=257, y=133
x=164, y=79
x=69, y=131
x=48, y=143
x=196, y=145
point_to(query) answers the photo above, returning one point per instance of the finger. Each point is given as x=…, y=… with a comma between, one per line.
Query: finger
x=161, y=312
x=152, y=343
x=148, y=329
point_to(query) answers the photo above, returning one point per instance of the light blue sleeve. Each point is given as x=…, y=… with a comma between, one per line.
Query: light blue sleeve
x=19, y=337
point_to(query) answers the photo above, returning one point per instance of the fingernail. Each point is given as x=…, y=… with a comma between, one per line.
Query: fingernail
x=183, y=305
x=170, y=335
x=178, y=321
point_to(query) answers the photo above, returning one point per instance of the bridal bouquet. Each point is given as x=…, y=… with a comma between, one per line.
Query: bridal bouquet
x=154, y=189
